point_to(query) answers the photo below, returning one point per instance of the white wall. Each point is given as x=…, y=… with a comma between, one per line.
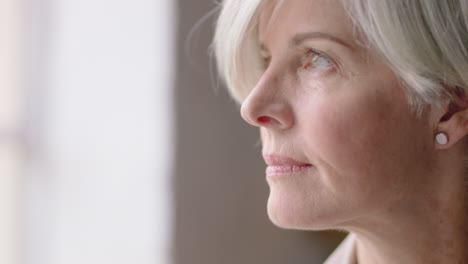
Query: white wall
x=98, y=186
x=11, y=145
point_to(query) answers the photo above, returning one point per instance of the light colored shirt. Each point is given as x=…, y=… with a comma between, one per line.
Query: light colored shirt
x=345, y=253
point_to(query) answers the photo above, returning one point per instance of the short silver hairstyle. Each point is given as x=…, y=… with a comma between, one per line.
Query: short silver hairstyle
x=425, y=42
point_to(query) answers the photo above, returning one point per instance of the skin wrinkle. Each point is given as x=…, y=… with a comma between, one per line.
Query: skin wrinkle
x=375, y=161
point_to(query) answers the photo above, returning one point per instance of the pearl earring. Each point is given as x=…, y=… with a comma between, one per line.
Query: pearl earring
x=442, y=138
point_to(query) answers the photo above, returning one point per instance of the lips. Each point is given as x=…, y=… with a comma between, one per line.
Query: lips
x=278, y=160
x=283, y=165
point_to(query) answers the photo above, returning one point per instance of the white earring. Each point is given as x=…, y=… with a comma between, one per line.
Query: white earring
x=441, y=138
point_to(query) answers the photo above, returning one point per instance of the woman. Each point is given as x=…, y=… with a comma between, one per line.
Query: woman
x=363, y=113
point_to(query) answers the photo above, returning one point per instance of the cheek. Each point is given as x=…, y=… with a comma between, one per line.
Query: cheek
x=355, y=141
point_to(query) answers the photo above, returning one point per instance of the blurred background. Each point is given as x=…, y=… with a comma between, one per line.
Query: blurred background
x=119, y=145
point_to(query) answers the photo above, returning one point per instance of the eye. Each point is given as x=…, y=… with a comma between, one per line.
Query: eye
x=315, y=60
x=265, y=62
x=264, y=57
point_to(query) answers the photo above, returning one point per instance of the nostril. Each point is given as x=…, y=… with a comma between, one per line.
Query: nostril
x=264, y=119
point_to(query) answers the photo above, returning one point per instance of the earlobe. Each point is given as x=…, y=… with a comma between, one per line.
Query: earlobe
x=452, y=129
x=453, y=125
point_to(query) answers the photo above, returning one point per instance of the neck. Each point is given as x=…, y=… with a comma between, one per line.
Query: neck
x=428, y=227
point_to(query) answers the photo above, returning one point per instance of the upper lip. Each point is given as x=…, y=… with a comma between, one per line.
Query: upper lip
x=279, y=160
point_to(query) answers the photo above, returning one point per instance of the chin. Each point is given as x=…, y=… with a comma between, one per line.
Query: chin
x=295, y=213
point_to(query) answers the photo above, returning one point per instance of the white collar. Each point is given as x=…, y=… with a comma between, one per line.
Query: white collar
x=345, y=253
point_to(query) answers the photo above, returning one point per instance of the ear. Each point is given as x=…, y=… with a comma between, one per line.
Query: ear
x=454, y=123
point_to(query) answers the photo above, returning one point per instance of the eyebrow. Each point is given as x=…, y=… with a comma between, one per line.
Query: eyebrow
x=299, y=38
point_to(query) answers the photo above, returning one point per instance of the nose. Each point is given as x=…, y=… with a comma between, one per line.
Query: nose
x=268, y=106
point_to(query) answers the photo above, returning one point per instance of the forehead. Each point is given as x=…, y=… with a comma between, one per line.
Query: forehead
x=280, y=19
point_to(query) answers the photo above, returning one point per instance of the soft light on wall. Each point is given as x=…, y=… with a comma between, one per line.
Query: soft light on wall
x=99, y=177
x=11, y=145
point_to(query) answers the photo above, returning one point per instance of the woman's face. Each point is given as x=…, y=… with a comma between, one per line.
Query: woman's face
x=325, y=101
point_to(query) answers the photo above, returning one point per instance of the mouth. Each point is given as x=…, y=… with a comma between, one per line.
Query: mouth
x=279, y=165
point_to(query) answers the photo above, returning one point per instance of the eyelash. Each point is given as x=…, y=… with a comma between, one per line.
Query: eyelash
x=312, y=59
x=305, y=63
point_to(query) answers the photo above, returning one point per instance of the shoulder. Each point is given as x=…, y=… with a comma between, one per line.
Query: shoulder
x=344, y=253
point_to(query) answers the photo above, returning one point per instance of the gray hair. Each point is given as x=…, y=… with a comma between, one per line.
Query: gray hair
x=425, y=42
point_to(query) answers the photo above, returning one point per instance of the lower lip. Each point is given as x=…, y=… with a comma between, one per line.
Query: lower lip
x=284, y=170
